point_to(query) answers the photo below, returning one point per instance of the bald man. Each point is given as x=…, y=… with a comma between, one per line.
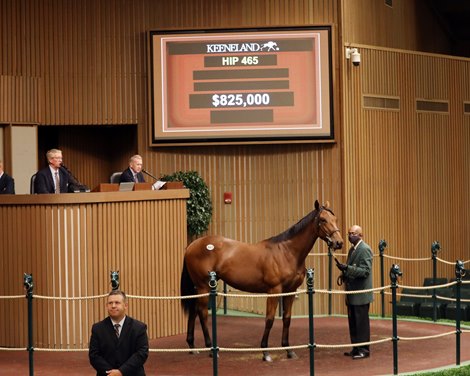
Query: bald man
x=134, y=172
x=357, y=275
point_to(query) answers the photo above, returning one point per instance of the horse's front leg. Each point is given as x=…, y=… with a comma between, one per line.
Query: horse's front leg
x=271, y=305
x=287, y=302
x=203, y=314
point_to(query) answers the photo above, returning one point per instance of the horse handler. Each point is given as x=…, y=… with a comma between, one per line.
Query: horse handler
x=357, y=275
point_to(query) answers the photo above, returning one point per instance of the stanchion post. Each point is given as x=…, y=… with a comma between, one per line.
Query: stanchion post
x=311, y=343
x=382, y=246
x=114, y=278
x=459, y=273
x=213, y=304
x=225, y=298
x=29, y=285
x=395, y=272
x=435, y=247
x=330, y=278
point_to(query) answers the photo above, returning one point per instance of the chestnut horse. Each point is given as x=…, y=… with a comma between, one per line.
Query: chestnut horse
x=273, y=266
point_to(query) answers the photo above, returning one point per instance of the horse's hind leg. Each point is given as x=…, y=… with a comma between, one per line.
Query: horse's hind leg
x=286, y=317
x=190, y=331
x=271, y=305
x=203, y=314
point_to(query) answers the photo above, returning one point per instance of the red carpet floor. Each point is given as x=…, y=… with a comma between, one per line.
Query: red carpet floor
x=246, y=332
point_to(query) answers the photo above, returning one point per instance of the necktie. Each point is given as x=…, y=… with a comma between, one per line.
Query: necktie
x=136, y=178
x=57, y=182
x=116, y=329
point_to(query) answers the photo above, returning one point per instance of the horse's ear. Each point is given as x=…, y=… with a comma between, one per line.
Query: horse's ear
x=327, y=204
x=317, y=205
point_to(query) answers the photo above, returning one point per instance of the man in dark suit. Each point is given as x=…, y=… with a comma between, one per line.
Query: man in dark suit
x=357, y=275
x=119, y=344
x=53, y=178
x=7, y=183
x=134, y=172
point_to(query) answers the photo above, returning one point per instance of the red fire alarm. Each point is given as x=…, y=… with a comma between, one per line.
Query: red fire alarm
x=228, y=197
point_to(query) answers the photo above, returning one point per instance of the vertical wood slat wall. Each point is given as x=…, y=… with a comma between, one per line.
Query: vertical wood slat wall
x=28, y=108
x=70, y=250
x=93, y=69
x=92, y=55
x=272, y=190
x=409, y=25
x=92, y=59
x=407, y=172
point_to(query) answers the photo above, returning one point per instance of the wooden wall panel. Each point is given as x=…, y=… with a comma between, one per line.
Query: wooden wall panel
x=20, y=100
x=92, y=56
x=406, y=175
x=85, y=63
x=408, y=24
x=70, y=247
x=265, y=181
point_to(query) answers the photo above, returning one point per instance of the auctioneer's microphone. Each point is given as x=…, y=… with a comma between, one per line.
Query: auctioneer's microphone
x=74, y=184
x=158, y=183
x=149, y=174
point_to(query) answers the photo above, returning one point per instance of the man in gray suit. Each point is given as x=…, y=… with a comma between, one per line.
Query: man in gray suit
x=357, y=275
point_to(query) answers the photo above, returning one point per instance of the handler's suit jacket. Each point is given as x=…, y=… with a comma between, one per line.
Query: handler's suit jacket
x=358, y=275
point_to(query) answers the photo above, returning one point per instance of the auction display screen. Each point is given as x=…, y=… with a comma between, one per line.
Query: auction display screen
x=241, y=86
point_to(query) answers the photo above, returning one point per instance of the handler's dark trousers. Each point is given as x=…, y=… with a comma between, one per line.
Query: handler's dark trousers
x=359, y=325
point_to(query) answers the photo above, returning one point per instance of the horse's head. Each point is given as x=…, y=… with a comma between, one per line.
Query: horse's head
x=327, y=226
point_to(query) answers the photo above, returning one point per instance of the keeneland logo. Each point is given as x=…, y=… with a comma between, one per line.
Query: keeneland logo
x=242, y=47
x=270, y=46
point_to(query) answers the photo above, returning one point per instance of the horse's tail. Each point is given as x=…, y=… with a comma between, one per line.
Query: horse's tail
x=187, y=288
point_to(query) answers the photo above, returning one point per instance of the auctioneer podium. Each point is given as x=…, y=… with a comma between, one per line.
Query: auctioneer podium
x=114, y=187
x=71, y=242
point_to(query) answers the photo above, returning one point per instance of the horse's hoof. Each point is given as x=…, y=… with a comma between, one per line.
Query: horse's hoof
x=267, y=358
x=292, y=355
x=194, y=352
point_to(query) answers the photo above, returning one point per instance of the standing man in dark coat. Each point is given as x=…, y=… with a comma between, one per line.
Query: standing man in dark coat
x=357, y=275
x=7, y=184
x=53, y=178
x=119, y=344
x=134, y=172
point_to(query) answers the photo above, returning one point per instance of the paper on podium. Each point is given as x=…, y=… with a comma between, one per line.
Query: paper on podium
x=158, y=185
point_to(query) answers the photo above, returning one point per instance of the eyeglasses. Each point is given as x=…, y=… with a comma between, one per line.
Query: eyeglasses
x=352, y=233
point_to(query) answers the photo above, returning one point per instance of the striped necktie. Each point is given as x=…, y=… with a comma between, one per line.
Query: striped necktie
x=116, y=329
x=57, y=182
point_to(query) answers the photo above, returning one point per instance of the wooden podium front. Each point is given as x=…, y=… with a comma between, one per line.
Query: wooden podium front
x=114, y=187
x=106, y=187
x=173, y=185
x=143, y=187
x=71, y=242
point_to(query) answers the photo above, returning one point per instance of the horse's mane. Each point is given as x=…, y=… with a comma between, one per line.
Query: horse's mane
x=298, y=227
